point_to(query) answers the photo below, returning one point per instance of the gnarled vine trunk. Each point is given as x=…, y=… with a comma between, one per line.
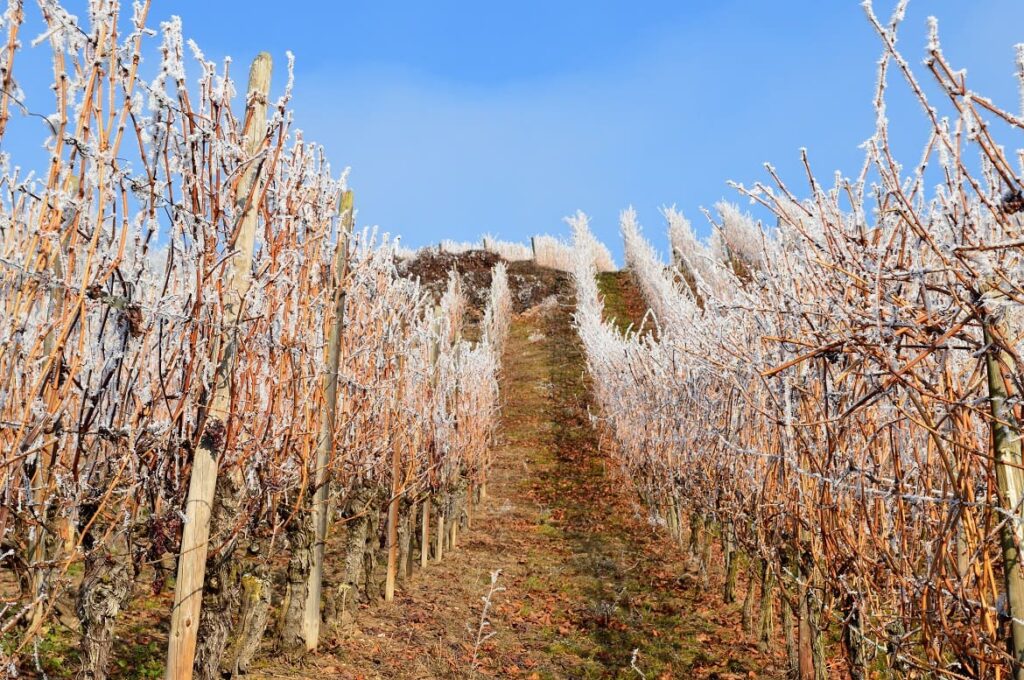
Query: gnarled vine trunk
x=221, y=591
x=406, y=528
x=301, y=539
x=361, y=521
x=253, y=617
x=105, y=590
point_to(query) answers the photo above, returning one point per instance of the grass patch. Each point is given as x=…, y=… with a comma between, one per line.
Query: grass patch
x=142, y=661
x=614, y=302
x=550, y=531
x=56, y=651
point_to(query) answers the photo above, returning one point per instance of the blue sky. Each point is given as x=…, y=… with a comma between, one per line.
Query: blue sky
x=460, y=118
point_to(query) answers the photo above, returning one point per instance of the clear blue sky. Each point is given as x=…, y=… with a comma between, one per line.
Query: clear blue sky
x=460, y=118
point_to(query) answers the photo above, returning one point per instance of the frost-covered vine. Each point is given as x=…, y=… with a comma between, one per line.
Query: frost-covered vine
x=836, y=396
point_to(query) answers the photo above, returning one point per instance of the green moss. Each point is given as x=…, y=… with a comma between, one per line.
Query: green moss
x=560, y=648
x=608, y=284
x=550, y=531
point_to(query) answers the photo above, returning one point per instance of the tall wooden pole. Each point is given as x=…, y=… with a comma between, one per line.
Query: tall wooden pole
x=439, y=539
x=188, y=591
x=396, y=498
x=325, y=443
x=425, y=532
x=1006, y=445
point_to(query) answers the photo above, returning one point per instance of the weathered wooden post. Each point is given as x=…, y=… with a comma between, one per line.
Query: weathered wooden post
x=453, y=538
x=396, y=499
x=439, y=540
x=425, y=532
x=325, y=444
x=1006, y=445
x=188, y=590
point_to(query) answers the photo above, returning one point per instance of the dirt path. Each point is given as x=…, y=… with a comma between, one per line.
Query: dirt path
x=586, y=578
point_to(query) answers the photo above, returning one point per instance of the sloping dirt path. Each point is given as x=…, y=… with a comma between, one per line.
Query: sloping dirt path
x=587, y=580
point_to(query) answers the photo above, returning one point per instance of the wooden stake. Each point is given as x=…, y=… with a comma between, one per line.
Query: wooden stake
x=425, y=533
x=188, y=591
x=389, y=582
x=439, y=541
x=396, y=495
x=1006, y=443
x=325, y=445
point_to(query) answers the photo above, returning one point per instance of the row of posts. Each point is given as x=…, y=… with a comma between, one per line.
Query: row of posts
x=191, y=572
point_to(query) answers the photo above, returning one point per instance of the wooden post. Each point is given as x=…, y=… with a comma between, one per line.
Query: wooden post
x=962, y=550
x=389, y=582
x=439, y=541
x=393, y=505
x=188, y=590
x=325, y=444
x=1006, y=444
x=533, y=247
x=425, y=532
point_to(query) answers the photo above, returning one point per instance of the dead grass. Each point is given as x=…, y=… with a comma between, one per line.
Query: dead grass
x=587, y=579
